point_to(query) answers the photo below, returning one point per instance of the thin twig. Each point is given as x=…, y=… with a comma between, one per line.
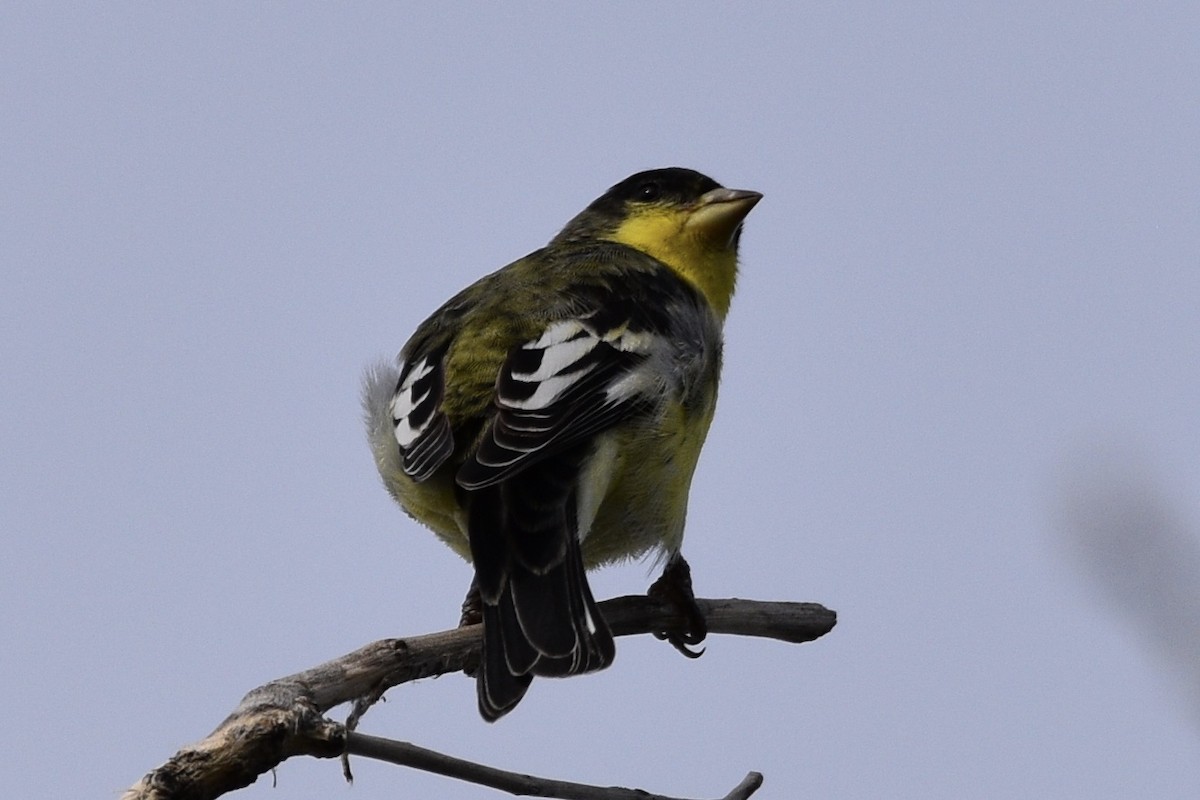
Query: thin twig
x=410, y=755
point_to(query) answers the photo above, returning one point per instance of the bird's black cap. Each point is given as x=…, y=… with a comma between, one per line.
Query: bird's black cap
x=668, y=186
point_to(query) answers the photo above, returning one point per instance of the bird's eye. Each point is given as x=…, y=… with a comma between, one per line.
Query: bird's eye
x=649, y=192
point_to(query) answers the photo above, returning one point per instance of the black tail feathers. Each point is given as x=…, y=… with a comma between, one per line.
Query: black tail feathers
x=540, y=624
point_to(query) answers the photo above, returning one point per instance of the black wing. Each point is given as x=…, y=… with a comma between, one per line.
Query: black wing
x=579, y=377
x=422, y=430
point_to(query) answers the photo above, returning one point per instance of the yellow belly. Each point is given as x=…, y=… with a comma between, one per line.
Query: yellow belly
x=433, y=504
x=645, y=505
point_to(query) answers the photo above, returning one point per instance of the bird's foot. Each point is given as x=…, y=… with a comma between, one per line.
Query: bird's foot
x=472, y=608
x=472, y=614
x=674, y=587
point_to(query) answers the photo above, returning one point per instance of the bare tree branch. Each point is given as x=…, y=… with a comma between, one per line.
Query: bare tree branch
x=410, y=755
x=284, y=718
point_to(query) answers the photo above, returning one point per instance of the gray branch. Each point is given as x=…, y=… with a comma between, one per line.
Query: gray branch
x=285, y=717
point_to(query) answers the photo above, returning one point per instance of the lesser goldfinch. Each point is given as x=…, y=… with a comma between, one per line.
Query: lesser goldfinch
x=547, y=419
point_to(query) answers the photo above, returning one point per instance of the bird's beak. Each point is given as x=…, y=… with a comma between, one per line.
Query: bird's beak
x=718, y=214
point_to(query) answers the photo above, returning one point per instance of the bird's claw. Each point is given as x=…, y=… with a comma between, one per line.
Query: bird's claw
x=472, y=608
x=472, y=614
x=674, y=587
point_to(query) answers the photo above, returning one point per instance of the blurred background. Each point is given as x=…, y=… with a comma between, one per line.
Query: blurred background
x=961, y=403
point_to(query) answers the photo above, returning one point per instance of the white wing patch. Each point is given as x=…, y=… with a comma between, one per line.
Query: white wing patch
x=629, y=386
x=420, y=427
x=561, y=350
x=407, y=400
x=548, y=390
x=557, y=333
x=559, y=354
x=629, y=341
x=574, y=380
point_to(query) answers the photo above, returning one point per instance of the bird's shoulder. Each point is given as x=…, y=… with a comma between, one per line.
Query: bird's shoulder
x=605, y=282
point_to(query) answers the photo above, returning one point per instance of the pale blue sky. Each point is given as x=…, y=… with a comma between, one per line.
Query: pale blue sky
x=968, y=322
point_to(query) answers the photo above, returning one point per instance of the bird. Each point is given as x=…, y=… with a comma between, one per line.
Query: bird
x=547, y=420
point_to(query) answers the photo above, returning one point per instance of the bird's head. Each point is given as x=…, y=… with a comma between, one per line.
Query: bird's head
x=679, y=216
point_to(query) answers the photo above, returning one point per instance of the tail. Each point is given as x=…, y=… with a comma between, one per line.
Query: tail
x=539, y=616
